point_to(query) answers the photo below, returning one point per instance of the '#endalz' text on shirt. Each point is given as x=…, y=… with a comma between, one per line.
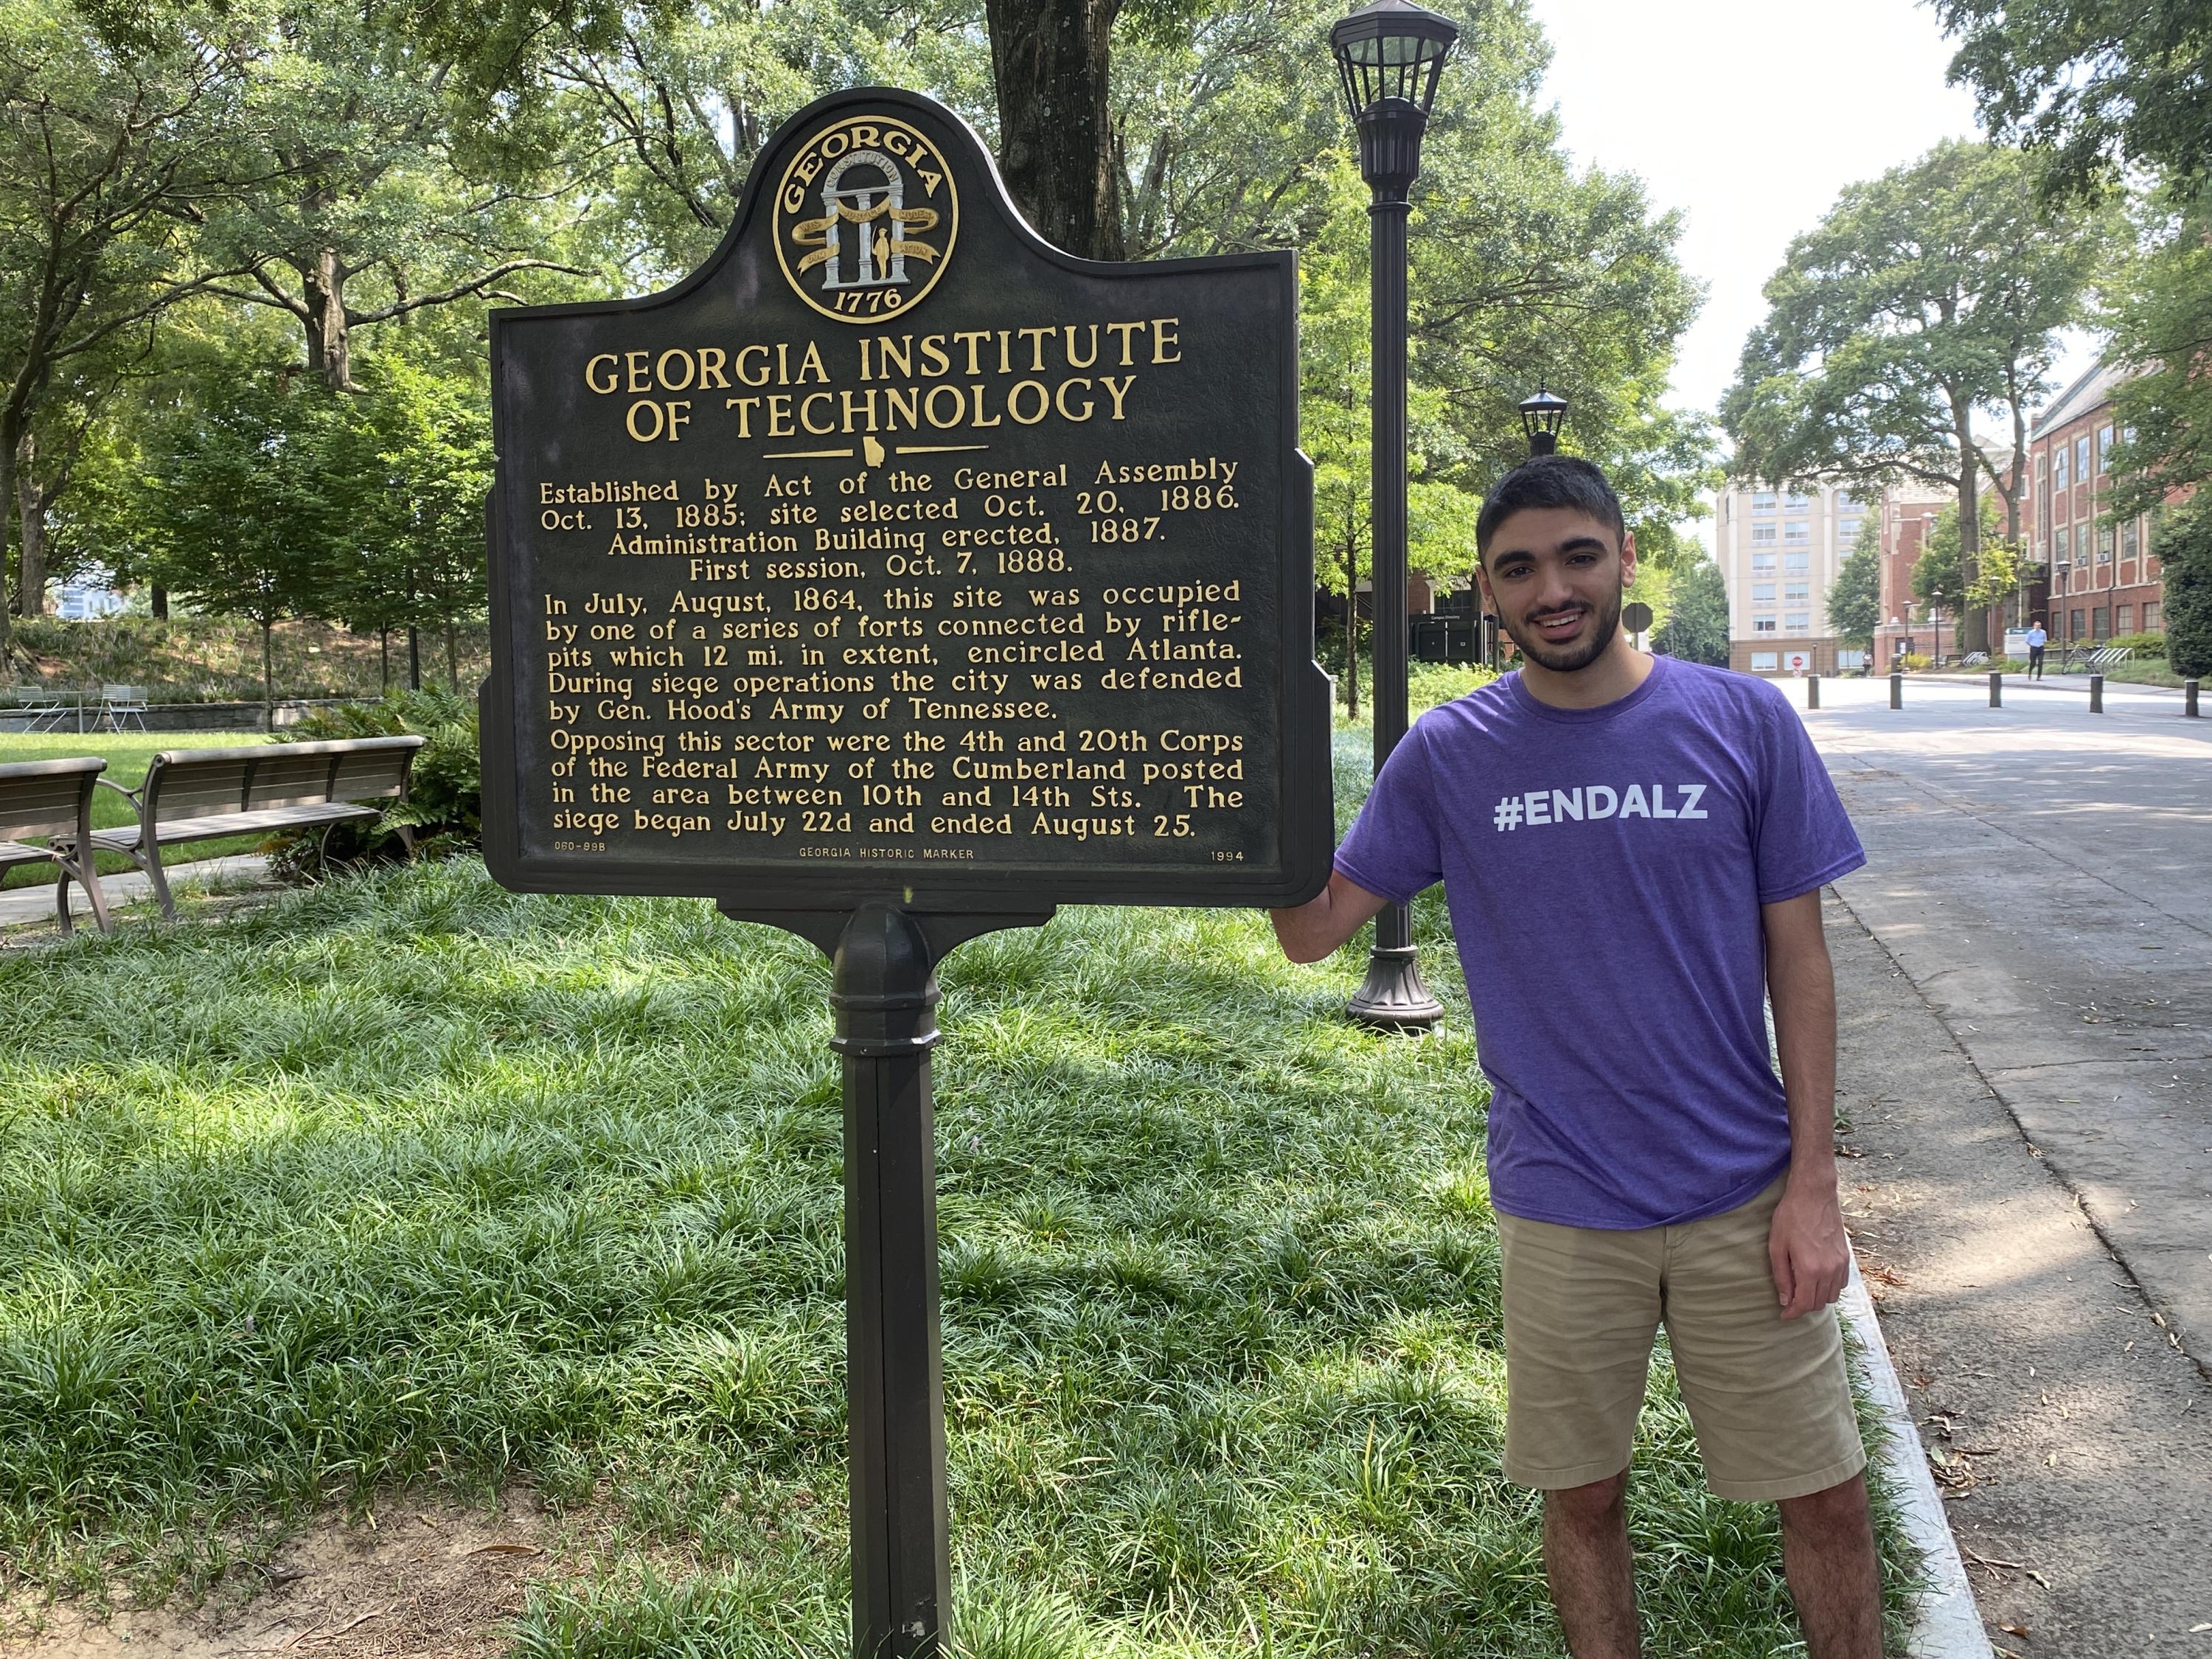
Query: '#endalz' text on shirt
x=1538, y=807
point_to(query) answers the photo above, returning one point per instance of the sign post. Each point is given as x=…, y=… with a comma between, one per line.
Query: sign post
x=893, y=579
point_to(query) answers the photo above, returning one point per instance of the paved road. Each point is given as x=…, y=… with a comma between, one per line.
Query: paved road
x=2044, y=876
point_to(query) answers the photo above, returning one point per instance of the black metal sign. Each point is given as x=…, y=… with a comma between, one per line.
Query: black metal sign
x=897, y=555
x=893, y=579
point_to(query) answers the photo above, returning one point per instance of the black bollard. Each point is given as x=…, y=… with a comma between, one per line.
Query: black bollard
x=1997, y=689
x=1896, y=688
x=2096, y=693
x=1812, y=691
x=884, y=993
x=2189, y=698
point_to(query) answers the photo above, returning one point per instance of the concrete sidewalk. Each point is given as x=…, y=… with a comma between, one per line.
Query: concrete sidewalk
x=2040, y=874
x=26, y=907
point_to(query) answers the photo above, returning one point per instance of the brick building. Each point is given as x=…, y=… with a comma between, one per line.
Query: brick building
x=1779, y=551
x=1907, y=515
x=2102, y=575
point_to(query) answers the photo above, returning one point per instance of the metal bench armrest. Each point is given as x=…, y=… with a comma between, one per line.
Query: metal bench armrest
x=131, y=795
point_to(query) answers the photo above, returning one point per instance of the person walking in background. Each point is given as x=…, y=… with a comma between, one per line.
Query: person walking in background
x=2037, y=638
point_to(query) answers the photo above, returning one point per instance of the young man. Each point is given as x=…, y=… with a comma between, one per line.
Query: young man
x=2037, y=638
x=1633, y=849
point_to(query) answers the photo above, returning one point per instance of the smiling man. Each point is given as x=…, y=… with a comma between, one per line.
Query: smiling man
x=1633, y=849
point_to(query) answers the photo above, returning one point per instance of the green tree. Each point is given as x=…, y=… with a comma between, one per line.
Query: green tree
x=1855, y=600
x=112, y=139
x=2162, y=318
x=243, y=511
x=1925, y=299
x=2186, y=551
x=1696, y=627
x=2101, y=86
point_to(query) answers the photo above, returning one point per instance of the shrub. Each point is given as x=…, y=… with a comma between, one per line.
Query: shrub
x=1913, y=663
x=2143, y=645
x=444, y=808
x=2187, y=550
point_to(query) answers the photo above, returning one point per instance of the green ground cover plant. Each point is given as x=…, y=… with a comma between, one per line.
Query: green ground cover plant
x=128, y=754
x=406, y=1178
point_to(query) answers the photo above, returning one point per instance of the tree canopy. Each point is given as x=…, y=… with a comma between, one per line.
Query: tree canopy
x=1855, y=600
x=2099, y=84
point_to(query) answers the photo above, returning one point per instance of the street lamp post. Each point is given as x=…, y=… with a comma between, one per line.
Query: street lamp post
x=1388, y=56
x=1541, y=417
x=1936, y=620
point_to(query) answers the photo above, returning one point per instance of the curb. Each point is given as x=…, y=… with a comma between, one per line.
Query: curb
x=1946, y=1623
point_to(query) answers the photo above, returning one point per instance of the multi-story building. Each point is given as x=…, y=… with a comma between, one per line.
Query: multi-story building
x=1907, y=515
x=2103, y=576
x=1780, y=550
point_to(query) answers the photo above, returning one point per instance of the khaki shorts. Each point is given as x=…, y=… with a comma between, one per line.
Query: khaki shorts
x=1769, y=1398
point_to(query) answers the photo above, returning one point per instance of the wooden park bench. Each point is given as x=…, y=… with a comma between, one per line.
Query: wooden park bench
x=53, y=799
x=205, y=794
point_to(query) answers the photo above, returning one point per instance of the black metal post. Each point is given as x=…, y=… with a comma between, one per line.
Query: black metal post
x=885, y=992
x=1390, y=150
x=2096, y=693
x=1896, y=688
x=1997, y=688
x=2189, y=699
x=1811, y=691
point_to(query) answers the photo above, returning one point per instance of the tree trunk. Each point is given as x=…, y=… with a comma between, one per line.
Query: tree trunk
x=30, y=513
x=452, y=660
x=268, y=675
x=1350, y=628
x=329, y=341
x=414, y=658
x=383, y=660
x=8, y=435
x=1056, y=145
x=161, y=604
x=1971, y=619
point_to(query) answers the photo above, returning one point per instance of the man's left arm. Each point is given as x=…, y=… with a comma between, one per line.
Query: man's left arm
x=1806, y=1246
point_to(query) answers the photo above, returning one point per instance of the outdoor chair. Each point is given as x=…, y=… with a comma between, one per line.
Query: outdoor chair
x=119, y=703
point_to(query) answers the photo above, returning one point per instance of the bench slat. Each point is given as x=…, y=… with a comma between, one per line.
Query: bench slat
x=13, y=853
x=168, y=832
x=42, y=798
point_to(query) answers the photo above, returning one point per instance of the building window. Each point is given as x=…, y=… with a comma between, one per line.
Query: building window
x=1851, y=659
x=1767, y=661
x=2074, y=631
x=2129, y=540
x=2104, y=545
x=2065, y=541
x=2100, y=623
x=1845, y=502
x=1797, y=621
x=2081, y=458
x=1848, y=532
x=2123, y=618
x=1797, y=593
x=2104, y=449
x=1762, y=593
x=1796, y=561
x=1762, y=501
x=1762, y=624
x=2058, y=467
x=1797, y=530
x=2153, y=617
x=1762, y=534
x=1796, y=501
x=1762, y=562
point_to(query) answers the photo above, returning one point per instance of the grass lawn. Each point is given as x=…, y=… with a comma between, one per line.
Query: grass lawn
x=406, y=1177
x=128, y=755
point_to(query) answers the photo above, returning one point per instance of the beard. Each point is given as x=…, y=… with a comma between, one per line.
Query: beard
x=1581, y=655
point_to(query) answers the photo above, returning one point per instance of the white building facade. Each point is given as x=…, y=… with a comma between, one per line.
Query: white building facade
x=1779, y=552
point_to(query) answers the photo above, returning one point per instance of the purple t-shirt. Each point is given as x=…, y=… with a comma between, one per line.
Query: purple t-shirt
x=1605, y=869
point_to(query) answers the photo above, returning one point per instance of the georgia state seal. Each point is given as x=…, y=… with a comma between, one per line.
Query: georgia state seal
x=865, y=217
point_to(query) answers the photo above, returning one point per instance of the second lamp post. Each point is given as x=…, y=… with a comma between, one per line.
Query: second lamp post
x=1389, y=56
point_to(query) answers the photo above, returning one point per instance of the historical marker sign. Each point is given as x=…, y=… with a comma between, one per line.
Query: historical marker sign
x=897, y=554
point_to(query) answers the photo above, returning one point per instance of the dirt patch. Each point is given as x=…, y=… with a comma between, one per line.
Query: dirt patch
x=424, y=1578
